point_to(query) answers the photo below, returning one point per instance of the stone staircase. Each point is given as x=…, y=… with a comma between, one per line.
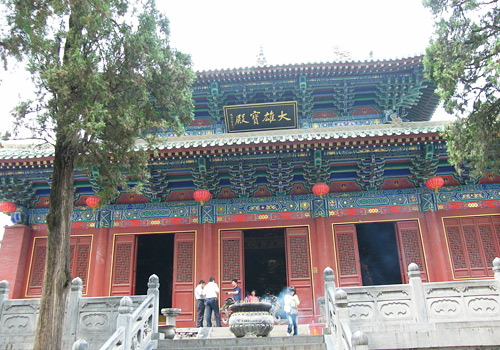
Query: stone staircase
x=221, y=338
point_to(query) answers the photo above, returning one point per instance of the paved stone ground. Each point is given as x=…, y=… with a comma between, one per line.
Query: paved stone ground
x=224, y=332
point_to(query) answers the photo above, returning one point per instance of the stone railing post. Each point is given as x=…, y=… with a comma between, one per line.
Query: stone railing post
x=342, y=327
x=73, y=307
x=329, y=279
x=154, y=289
x=80, y=344
x=419, y=303
x=125, y=320
x=4, y=294
x=496, y=268
x=359, y=341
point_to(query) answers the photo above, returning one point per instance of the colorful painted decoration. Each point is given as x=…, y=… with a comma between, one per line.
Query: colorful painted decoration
x=201, y=196
x=7, y=207
x=92, y=201
x=434, y=183
x=320, y=189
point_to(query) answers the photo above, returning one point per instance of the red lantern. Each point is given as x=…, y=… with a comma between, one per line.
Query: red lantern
x=201, y=196
x=92, y=201
x=434, y=183
x=320, y=189
x=7, y=207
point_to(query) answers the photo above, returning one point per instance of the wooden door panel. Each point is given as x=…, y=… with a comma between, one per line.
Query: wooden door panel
x=473, y=243
x=183, y=278
x=299, y=268
x=232, y=261
x=456, y=246
x=80, y=247
x=410, y=248
x=347, y=251
x=488, y=241
x=37, y=270
x=124, y=265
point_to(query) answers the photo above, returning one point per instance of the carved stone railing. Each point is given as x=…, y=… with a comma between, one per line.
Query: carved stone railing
x=337, y=317
x=414, y=315
x=97, y=320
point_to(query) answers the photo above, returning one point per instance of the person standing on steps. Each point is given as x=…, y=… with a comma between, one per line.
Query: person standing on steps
x=212, y=303
x=199, y=294
x=236, y=292
x=292, y=311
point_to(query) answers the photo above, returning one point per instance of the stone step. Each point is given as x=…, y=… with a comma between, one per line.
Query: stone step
x=301, y=342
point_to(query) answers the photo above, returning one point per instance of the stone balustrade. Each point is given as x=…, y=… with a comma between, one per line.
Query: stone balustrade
x=89, y=322
x=433, y=314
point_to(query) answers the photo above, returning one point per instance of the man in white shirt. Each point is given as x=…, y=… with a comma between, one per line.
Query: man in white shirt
x=199, y=294
x=211, y=291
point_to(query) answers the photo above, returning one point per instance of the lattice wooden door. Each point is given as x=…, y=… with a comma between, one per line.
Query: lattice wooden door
x=348, y=263
x=473, y=243
x=79, y=262
x=410, y=248
x=183, y=279
x=124, y=265
x=37, y=271
x=232, y=261
x=298, y=264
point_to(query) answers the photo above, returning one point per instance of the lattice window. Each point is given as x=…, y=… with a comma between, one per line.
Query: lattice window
x=230, y=259
x=122, y=263
x=472, y=244
x=497, y=230
x=487, y=239
x=300, y=257
x=347, y=255
x=456, y=248
x=478, y=238
x=82, y=263
x=185, y=251
x=38, y=268
x=411, y=246
x=71, y=256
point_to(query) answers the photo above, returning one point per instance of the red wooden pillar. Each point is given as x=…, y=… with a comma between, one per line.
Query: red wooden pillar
x=435, y=248
x=98, y=285
x=321, y=256
x=14, y=257
x=206, y=252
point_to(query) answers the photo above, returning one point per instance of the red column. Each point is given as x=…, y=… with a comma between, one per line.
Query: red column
x=322, y=256
x=14, y=257
x=98, y=272
x=206, y=252
x=435, y=246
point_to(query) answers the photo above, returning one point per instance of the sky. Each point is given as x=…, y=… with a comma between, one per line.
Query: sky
x=223, y=34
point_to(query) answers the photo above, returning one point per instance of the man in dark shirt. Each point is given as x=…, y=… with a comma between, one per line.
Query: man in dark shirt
x=236, y=291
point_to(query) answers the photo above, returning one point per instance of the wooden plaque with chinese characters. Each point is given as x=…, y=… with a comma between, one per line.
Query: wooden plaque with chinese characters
x=262, y=116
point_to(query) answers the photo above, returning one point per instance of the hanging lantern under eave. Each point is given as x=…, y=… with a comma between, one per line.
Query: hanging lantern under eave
x=202, y=196
x=92, y=202
x=434, y=183
x=320, y=189
x=7, y=207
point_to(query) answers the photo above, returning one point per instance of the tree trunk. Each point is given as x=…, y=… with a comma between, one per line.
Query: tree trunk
x=50, y=323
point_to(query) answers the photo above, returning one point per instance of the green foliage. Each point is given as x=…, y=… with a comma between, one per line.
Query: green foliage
x=464, y=61
x=106, y=77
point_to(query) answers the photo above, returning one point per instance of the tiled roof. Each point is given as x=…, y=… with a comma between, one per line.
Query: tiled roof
x=331, y=68
x=25, y=152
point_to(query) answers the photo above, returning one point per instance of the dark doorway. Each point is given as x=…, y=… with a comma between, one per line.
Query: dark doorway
x=265, y=264
x=378, y=253
x=155, y=255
